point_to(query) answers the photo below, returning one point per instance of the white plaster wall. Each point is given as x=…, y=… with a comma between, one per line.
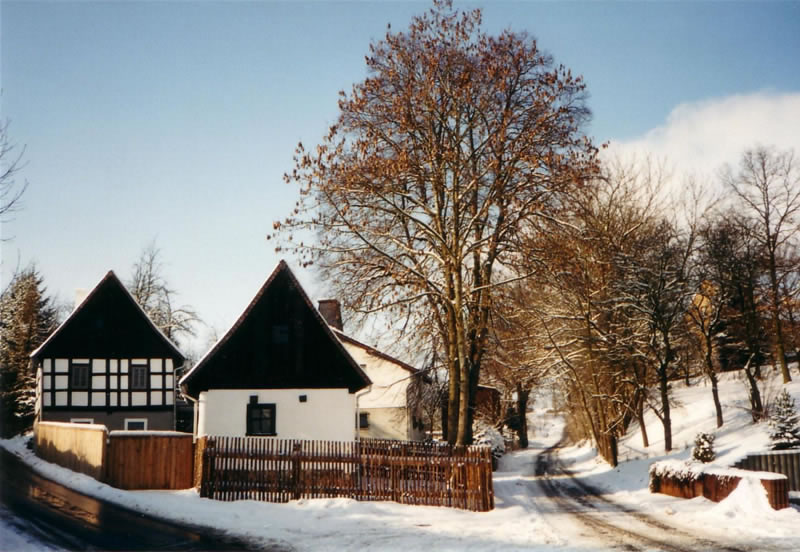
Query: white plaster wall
x=328, y=414
x=389, y=381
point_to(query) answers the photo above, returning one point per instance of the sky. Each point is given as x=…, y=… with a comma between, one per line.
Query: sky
x=175, y=121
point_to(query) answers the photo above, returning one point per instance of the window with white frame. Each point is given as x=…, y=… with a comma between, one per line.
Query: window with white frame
x=134, y=424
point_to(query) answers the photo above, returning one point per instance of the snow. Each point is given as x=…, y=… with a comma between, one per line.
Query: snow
x=18, y=534
x=146, y=432
x=519, y=521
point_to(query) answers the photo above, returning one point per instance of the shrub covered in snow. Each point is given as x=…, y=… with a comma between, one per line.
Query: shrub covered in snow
x=784, y=423
x=703, y=450
x=492, y=438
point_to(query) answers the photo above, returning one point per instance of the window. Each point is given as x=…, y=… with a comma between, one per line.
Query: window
x=79, y=376
x=260, y=417
x=133, y=424
x=363, y=420
x=139, y=377
x=81, y=420
x=280, y=334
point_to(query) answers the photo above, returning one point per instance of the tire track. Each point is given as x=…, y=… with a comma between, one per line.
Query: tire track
x=588, y=505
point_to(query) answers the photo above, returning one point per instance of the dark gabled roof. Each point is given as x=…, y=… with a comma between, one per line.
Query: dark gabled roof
x=108, y=323
x=248, y=356
x=373, y=351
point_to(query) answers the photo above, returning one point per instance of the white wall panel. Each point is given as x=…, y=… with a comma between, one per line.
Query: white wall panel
x=113, y=366
x=139, y=398
x=61, y=398
x=98, y=399
x=156, y=381
x=156, y=398
x=155, y=365
x=46, y=399
x=98, y=366
x=62, y=365
x=62, y=382
x=168, y=365
x=46, y=365
x=123, y=366
x=99, y=382
x=112, y=399
x=113, y=382
x=328, y=414
x=80, y=398
x=123, y=399
x=46, y=382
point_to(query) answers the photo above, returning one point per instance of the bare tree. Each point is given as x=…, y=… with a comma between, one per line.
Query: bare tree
x=10, y=164
x=518, y=358
x=768, y=185
x=153, y=293
x=454, y=141
x=734, y=263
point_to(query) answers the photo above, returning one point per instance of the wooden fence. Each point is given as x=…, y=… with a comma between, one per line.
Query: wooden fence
x=786, y=462
x=78, y=447
x=233, y=468
x=123, y=459
x=151, y=460
x=717, y=487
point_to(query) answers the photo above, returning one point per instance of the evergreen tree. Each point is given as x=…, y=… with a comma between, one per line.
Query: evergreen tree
x=784, y=423
x=27, y=317
x=704, y=448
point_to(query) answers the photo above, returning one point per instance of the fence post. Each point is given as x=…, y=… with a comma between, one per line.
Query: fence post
x=296, y=449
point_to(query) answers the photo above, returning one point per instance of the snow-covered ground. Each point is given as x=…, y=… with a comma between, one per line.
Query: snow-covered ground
x=516, y=523
x=18, y=534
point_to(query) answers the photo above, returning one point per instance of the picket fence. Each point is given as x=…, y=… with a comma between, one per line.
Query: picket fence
x=272, y=470
x=786, y=462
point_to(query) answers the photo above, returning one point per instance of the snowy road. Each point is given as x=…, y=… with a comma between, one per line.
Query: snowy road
x=604, y=521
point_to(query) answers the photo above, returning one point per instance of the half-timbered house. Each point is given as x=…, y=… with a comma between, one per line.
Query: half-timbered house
x=279, y=371
x=107, y=363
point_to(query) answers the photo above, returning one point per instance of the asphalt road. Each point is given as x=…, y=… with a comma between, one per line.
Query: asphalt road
x=74, y=521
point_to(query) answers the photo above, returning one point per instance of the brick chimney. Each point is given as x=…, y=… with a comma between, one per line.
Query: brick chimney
x=331, y=311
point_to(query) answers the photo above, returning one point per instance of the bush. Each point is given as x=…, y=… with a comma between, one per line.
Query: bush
x=784, y=423
x=492, y=438
x=703, y=450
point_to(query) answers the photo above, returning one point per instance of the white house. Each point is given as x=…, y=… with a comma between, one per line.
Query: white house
x=279, y=372
x=389, y=409
x=107, y=363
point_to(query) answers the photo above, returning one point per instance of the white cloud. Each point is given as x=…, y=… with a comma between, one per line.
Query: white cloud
x=699, y=137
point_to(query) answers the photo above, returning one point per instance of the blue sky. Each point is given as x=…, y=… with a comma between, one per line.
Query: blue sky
x=176, y=121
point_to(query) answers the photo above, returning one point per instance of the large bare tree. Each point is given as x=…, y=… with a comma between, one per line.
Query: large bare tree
x=157, y=298
x=416, y=195
x=768, y=184
x=10, y=163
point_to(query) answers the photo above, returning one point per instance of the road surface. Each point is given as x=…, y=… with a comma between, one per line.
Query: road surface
x=68, y=519
x=604, y=521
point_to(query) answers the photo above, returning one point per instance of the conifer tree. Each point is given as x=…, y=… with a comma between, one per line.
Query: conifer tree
x=27, y=317
x=785, y=423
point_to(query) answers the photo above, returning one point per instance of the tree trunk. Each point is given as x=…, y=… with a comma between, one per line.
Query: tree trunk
x=712, y=375
x=715, y=393
x=640, y=417
x=756, y=408
x=522, y=409
x=776, y=318
x=665, y=414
